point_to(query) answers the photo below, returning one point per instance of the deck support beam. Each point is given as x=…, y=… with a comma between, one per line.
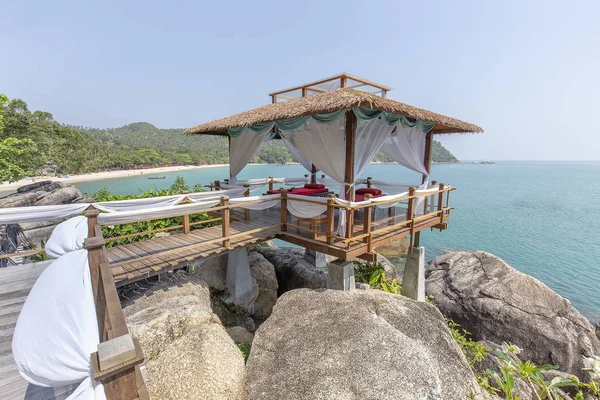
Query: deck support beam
x=340, y=275
x=238, y=279
x=413, y=281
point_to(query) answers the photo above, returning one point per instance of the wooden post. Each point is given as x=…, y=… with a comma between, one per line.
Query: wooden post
x=441, y=203
x=247, y=194
x=330, y=217
x=306, y=177
x=284, y=193
x=369, y=184
x=270, y=183
x=274, y=98
x=92, y=219
x=186, y=217
x=351, y=123
x=303, y=92
x=343, y=82
x=217, y=185
x=313, y=174
x=225, y=222
x=427, y=159
x=410, y=211
x=367, y=217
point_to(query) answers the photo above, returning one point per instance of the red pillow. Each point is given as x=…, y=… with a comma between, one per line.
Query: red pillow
x=373, y=191
x=313, y=186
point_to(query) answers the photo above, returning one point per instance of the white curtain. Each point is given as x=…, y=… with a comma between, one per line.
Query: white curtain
x=244, y=147
x=324, y=143
x=406, y=146
x=304, y=161
x=370, y=136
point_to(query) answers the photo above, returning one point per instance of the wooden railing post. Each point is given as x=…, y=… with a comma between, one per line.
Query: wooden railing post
x=441, y=203
x=92, y=220
x=247, y=194
x=186, y=217
x=306, y=177
x=284, y=199
x=270, y=183
x=225, y=223
x=217, y=185
x=369, y=184
x=410, y=214
x=330, y=217
x=367, y=218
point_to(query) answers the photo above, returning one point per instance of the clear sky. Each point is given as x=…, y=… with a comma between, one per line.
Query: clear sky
x=526, y=71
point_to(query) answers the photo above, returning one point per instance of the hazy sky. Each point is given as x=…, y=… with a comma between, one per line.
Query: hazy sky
x=526, y=71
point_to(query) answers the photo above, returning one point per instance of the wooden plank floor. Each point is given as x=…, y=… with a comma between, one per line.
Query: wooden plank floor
x=15, y=284
x=131, y=268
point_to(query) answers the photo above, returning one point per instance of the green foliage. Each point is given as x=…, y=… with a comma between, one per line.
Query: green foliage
x=245, y=349
x=374, y=275
x=13, y=157
x=3, y=101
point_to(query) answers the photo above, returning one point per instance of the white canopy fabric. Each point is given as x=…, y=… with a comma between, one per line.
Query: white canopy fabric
x=323, y=144
x=298, y=156
x=244, y=147
x=17, y=215
x=57, y=330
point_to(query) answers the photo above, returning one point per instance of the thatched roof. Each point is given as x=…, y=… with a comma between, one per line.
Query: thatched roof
x=335, y=100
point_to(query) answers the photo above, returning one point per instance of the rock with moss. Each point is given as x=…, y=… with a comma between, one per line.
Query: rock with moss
x=495, y=302
x=327, y=344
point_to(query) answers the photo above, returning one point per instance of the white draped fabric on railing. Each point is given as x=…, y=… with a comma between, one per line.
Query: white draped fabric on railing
x=266, y=201
x=305, y=209
x=17, y=215
x=115, y=218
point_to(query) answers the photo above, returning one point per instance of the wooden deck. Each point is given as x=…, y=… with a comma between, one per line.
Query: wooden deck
x=140, y=260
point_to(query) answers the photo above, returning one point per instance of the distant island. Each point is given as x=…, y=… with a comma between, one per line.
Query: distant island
x=32, y=143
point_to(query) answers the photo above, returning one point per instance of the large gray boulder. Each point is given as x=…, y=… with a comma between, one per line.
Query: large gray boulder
x=264, y=273
x=189, y=354
x=498, y=303
x=65, y=195
x=328, y=344
x=292, y=270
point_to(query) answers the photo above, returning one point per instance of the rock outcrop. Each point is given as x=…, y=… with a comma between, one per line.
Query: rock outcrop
x=41, y=193
x=500, y=304
x=264, y=273
x=189, y=353
x=328, y=344
x=292, y=270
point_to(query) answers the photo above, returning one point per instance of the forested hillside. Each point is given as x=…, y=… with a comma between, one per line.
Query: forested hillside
x=31, y=141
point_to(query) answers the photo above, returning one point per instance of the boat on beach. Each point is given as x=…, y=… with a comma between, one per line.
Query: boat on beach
x=157, y=177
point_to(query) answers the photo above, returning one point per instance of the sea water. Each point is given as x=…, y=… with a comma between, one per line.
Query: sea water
x=540, y=217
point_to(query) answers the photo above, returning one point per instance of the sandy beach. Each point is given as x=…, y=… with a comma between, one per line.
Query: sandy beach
x=96, y=176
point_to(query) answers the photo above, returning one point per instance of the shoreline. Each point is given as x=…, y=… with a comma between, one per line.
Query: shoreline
x=99, y=176
x=104, y=175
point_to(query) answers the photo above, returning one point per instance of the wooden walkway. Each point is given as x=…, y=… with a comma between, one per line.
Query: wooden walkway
x=134, y=261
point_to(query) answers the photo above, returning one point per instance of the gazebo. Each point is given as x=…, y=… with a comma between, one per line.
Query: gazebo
x=337, y=125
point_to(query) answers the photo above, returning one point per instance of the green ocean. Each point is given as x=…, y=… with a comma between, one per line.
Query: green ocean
x=537, y=216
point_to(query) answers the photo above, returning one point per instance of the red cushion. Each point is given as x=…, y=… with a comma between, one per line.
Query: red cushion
x=373, y=191
x=304, y=191
x=314, y=186
x=361, y=197
x=273, y=191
